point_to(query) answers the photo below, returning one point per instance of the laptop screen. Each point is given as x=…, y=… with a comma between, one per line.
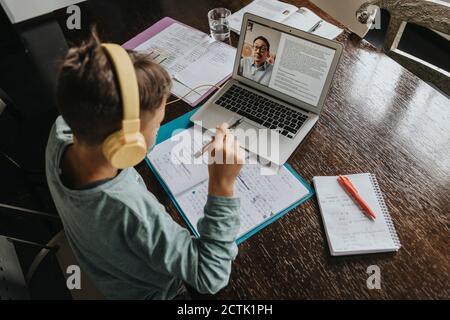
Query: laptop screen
x=284, y=62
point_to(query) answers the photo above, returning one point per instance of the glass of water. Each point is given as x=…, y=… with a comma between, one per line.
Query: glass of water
x=219, y=24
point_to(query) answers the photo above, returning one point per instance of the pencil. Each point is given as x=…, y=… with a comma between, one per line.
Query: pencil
x=206, y=146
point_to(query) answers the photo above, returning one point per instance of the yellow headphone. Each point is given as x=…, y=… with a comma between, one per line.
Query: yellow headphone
x=126, y=147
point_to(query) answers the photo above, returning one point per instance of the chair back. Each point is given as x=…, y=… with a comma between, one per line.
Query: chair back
x=66, y=259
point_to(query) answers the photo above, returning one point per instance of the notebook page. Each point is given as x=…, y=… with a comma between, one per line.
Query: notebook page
x=349, y=231
x=178, y=47
x=181, y=44
x=261, y=196
x=216, y=64
x=304, y=19
x=273, y=10
x=174, y=160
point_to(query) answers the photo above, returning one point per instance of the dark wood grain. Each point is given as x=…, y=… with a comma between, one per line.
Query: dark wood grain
x=379, y=118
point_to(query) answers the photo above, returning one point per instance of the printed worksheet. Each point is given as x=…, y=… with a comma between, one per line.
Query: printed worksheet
x=215, y=65
x=179, y=43
x=183, y=51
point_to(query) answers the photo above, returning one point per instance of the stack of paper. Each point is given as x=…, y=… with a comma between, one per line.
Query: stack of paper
x=183, y=51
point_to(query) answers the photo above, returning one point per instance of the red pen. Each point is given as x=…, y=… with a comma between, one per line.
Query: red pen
x=350, y=188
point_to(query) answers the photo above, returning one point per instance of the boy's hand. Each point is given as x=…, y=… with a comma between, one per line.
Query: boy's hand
x=226, y=162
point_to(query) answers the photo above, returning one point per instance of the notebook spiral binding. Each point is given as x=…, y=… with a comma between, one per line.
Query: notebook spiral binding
x=385, y=211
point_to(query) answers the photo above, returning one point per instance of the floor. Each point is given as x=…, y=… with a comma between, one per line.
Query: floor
x=24, y=141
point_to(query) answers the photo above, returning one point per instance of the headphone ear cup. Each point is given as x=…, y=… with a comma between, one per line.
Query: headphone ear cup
x=124, y=155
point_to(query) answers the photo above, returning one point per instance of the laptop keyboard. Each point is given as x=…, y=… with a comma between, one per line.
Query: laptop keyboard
x=264, y=111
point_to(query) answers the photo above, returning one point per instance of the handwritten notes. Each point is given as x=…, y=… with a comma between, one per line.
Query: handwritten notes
x=348, y=230
x=262, y=196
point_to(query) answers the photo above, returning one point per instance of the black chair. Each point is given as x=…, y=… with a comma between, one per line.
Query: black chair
x=35, y=47
x=45, y=45
x=20, y=285
x=40, y=44
x=56, y=250
x=12, y=122
x=6, y=101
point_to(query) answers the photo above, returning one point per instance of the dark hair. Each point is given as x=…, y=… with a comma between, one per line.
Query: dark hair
x=263, y=39
x=88, y=95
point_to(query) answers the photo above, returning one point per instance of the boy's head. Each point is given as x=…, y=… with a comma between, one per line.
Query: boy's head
x=89, y=97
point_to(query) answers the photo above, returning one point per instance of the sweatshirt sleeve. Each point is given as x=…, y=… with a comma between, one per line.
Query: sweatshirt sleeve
x=205, y=262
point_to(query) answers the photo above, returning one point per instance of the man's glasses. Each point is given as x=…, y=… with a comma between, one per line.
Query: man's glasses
x=261, y=49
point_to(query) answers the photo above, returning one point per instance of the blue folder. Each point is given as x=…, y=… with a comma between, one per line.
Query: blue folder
x=169, y=129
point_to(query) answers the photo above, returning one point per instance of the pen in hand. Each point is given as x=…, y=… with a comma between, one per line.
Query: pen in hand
x=209, y=144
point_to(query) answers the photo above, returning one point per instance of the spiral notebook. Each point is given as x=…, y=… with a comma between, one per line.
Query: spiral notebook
x=348, y=230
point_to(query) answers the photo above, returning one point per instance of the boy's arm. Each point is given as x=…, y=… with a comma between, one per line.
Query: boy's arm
x=204, y=263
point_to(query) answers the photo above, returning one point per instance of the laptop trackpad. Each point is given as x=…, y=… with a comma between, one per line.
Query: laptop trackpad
x=247, y=135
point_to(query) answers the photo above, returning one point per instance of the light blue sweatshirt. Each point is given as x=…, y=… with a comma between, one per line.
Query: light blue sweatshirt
x=128, y=244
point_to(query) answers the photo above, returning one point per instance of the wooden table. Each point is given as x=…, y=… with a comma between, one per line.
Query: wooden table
x=378, y=118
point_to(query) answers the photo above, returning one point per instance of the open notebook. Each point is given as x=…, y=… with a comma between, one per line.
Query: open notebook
x=288, y=14
x=348, y=230
x=263, y=197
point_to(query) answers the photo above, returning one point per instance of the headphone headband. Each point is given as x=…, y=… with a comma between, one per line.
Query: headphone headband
x=129, y=89
x=126, y=147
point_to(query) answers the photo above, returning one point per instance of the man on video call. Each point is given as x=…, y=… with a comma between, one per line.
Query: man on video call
x=256, y=67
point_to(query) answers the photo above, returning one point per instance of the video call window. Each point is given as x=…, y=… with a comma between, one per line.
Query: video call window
x=259, y=53
x=286, y=63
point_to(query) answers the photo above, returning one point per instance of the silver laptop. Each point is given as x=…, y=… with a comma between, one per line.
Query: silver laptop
x=280, y=79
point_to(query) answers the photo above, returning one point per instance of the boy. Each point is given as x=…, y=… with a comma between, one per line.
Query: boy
x=121, y=235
